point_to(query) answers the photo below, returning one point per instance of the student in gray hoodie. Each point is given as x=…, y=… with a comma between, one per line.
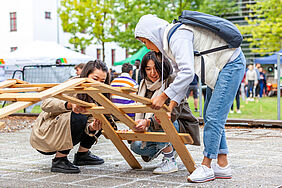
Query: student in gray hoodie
x=224, y=72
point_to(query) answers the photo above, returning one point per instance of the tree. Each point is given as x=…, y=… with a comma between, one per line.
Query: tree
x=265, y=26
x=128, y=12
x=86, y=20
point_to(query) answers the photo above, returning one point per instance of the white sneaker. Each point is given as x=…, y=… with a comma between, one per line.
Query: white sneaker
x=231, y=111
x=167, y=166
x=239, y=112
x=201, y=174
x=222, y=172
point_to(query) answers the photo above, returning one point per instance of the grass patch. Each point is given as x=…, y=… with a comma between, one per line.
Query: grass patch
x=263, y=108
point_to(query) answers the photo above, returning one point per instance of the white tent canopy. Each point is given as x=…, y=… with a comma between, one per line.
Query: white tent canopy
x=43, y=52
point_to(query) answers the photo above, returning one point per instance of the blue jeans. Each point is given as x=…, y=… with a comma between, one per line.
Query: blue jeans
x=217, y=106
x=150, y=148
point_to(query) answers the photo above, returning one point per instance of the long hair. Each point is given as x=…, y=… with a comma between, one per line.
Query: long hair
x=89, y=68
x=157, y=59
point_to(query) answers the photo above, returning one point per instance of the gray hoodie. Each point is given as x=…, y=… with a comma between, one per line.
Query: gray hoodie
x=181, y=44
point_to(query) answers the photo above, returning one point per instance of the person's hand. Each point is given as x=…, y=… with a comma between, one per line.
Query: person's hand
x=78, y=109
x=141, y=125
x=158, y=101
x=158, y=120
x=96, y=125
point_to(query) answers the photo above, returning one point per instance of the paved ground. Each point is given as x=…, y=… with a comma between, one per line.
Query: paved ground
x=255, y=156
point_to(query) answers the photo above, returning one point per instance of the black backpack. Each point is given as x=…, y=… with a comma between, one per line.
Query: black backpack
x=221, y=27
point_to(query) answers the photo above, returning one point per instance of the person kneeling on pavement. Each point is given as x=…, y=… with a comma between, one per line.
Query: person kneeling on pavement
x=60, y=126
x=183, y=120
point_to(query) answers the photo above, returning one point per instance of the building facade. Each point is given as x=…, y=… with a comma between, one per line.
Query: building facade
x=25, y=21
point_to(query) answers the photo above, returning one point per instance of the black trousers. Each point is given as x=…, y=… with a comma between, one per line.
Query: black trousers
x=78, y=135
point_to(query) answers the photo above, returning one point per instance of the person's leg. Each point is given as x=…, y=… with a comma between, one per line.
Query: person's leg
x=215, y=114
x=83, y=156
x=261, y=89
x=238, y=99
x=168, y=164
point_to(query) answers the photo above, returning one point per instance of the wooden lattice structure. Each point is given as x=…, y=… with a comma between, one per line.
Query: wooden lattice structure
x=25, y=94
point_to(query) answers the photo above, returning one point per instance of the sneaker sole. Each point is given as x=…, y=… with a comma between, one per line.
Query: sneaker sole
x=59, y=170
x=87, y=163
x=200, y=181
x=167, y=172
x=223, y=177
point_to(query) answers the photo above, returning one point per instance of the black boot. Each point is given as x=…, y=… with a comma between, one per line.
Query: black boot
x=63, y=165
x=87, y=158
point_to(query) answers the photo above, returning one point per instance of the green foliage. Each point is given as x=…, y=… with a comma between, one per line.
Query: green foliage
x=128, y=12
x=219, y=7
x=86, y=20
x=266, y=27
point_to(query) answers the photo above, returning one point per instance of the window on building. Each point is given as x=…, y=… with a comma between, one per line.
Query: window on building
x=98, y=53
x=47, y=15
x=13, y=48
x=82, y=50
x=13, y=21
x=113, y=56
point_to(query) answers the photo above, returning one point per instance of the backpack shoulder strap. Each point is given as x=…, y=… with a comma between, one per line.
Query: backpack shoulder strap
x=172, y=30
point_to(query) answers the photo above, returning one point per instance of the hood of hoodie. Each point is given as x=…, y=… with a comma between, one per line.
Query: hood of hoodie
x=152, y=28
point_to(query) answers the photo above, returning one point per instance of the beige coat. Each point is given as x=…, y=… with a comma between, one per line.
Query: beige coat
x=52, y=131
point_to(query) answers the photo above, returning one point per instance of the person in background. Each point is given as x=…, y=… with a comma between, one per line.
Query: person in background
x=264, y=84
x=151, y=85
x=124, y=80
x=258, y=79
x=251, y=82
x=78, y=68
x=237, y=102
x=194, y=88
x=136, y=73
x=60, y=126
x=262, y=81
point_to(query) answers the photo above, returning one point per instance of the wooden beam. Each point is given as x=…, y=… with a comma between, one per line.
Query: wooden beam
x=20, y=97
x=125, y=152
x=82, y=90
x=130, y=108
x=151, y=136
x=15, y=90
x=60, y=88
x=75, y=100
x=7, y=83
x=108, y=89
x=102, y=100
x=2, y=125
x=35, y=85
x=12, y=108
x=176, y=141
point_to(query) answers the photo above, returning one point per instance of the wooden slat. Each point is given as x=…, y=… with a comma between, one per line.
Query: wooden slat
x=60, y=88
x=28, y=89
x=35, y=85
x=125, y=152
x=108, y=89
x=125, y=108
x=12, y=108
x=20, y=97
x=19, y=81
x=7, y=83
x=74, y=100
x=2, y=125
x=102, y=100
x=176, y=141
x=151, y=136
x=82, y=90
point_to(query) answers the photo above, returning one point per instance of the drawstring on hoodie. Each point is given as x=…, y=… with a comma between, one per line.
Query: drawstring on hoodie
x=162, y=71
